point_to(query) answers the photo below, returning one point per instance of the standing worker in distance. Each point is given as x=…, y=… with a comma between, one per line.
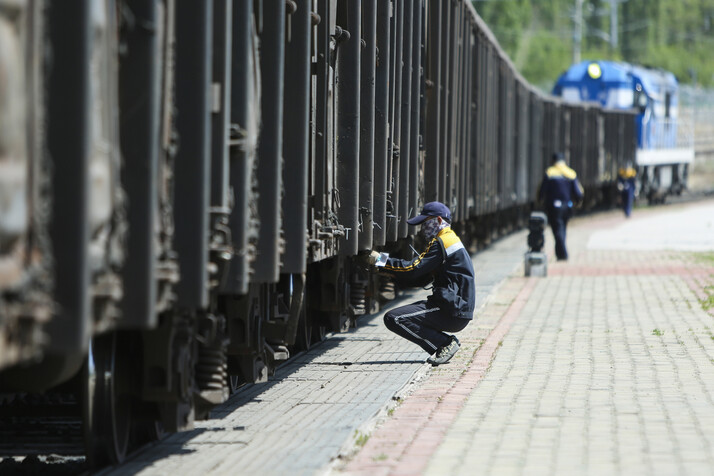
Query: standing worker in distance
x=451, y=305
x=559, y=189
x=626, y=186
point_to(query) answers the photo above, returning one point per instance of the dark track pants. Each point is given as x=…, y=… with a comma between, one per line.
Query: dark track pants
x=558, y=218
x=423, y=324
x=628, y=197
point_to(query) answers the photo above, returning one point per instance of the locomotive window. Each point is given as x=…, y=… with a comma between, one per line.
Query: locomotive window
x=619, y=98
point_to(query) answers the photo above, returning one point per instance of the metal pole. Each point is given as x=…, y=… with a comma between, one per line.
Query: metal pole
x=405, y=153
x=348, y=121
x=577, y=30
x=296, y=133
x=433, y=102
x=270, y=145
x=613, y=23
x=381, y=120
x=194, y=38
x=367, y=124
x=243, y=101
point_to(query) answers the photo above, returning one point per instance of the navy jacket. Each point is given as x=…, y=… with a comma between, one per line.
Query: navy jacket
x=446, y=259
x=560, y=187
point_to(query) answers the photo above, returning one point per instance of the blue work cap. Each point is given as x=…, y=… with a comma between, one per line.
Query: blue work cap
x=431, y=209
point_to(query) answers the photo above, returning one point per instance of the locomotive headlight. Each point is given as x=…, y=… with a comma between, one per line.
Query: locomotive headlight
x=594, y=70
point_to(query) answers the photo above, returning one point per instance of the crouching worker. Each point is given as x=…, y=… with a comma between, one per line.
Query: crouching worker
x=451, y=305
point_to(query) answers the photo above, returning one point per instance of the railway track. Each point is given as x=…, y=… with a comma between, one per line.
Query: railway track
x=43, y=433
x=47, y=431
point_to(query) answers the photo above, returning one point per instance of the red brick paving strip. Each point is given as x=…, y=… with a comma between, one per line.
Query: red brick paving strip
x=404, y=444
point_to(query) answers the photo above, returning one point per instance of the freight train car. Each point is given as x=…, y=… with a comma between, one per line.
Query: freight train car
x=185, y=188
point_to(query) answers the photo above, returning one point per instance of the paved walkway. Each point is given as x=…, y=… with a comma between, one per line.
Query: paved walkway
x=604, y=367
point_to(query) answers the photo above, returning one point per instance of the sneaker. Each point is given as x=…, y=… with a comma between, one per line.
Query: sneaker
x=444, y=354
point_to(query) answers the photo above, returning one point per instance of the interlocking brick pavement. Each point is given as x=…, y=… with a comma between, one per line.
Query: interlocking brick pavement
x=604, y=367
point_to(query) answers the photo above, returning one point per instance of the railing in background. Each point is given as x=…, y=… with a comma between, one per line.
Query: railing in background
x=697, y=107
x=667, y=134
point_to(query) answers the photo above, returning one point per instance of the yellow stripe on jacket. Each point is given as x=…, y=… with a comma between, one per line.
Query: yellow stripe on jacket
x=559, y=169
x=451, y=241
x=414, y=263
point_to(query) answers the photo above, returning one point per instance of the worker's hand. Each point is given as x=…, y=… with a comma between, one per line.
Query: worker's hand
x=369, y=259
x=373, y=257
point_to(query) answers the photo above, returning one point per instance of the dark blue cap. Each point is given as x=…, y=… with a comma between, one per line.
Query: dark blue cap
x=431, y=209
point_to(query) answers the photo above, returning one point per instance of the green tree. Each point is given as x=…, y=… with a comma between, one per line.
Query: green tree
x=677, y=35
x=507, y=20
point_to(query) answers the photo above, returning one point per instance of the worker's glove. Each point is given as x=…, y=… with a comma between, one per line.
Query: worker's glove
x=373, y=257
x=369, y=259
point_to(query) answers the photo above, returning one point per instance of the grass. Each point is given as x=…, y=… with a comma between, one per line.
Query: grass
x=706, y=258
x=708, y=302
x=399, y=401
x=360, y=438
x=657, y=332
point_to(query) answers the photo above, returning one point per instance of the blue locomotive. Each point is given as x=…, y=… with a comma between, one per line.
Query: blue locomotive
x=664, y=143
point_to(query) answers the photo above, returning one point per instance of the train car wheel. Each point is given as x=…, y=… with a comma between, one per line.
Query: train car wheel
x=234, y=383
x=304, y=335
x=148, y=432
x=107, y=402
x=318, y=333
x=156, y=431
x=303, y=338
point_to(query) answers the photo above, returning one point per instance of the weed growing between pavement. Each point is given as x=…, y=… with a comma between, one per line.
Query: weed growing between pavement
x=679, y=339
x=399, y=401
x=705, y=287
x=657, y=332
x=708, y=302
x=706, y=258
x=360, y=438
